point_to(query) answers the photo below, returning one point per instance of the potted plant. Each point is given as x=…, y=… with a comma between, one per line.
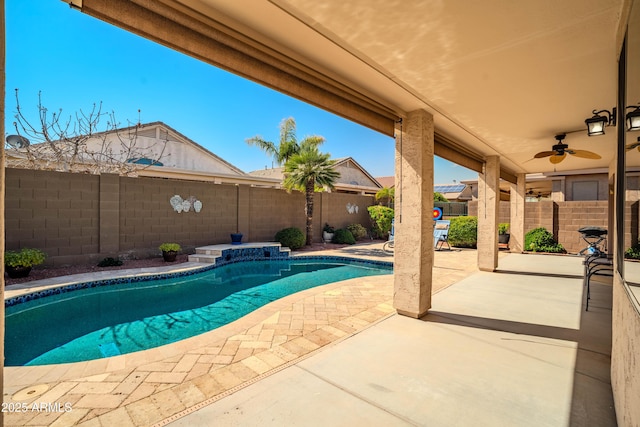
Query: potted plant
x=169, y=251
x=236, y=238
x=19, y=263
x=327, y=233
x=503, y=233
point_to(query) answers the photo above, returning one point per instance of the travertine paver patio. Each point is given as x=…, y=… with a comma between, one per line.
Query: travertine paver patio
x=156, y=386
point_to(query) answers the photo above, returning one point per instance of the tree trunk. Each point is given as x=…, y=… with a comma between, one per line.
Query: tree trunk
x=308, y=209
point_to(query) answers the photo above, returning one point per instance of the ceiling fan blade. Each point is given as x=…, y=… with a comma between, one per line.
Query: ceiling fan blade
x=633, y=145
x=557, y=159
x=586, y=154
x=543, y=154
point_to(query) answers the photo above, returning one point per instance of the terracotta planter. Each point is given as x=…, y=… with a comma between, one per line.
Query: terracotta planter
x=17, y=272
x=169, y=256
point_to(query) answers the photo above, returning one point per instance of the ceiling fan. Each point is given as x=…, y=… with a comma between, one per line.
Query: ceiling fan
x=559, y=152
x=634, y=145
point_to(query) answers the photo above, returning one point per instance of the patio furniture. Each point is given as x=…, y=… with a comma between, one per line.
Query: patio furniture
x=441, y=234
x=388, y=245
x=593, y=236
x=596, y=264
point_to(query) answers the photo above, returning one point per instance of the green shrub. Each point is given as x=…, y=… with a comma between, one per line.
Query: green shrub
x=358, y=231
x=633, y=252
x=110, y=262
x=343, y=236
x=503, y=228
x=170, y=247
x=26, y=257
x=463, y=232
x=541, y=240
x=381, y=217
x=292, y=238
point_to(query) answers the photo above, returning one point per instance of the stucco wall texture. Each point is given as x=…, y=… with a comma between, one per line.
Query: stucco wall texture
x=78, y=218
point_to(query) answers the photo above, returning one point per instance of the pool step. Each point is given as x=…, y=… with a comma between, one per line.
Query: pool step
x=208, y=254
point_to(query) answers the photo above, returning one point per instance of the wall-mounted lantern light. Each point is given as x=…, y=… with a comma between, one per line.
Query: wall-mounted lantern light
x=597, y=123
x=633, y=118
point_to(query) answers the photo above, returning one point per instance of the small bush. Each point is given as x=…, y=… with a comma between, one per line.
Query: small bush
x=26, y=257
x=541, y=240
x=633, y=252
x=343, y=236
x=503, y=228
x=381, y=217
x=358, y=231
x=110, y=262
x=169, y=247
x=292, y=238
x=463, y=232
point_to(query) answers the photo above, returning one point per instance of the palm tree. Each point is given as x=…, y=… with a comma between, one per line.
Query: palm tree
x=306, y=171
x=386, y=196
x=288, y=144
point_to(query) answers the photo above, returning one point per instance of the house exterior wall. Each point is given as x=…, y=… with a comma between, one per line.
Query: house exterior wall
x=580, y=187
x=353, y=175
x=172, y=150
x=78, y=218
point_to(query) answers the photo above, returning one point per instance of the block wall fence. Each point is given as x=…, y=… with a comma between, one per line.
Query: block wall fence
x=564, y=219
x=77, y=218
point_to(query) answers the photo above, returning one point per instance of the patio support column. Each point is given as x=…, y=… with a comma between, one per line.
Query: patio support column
x=488, y=205
x=413, y=259
x=516, y=220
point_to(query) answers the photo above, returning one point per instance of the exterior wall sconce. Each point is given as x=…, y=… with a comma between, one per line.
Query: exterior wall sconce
x=633, y=118
x=597, y=123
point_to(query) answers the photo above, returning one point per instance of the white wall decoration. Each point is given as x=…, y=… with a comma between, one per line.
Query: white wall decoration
x=352, y=208
x=185, y=205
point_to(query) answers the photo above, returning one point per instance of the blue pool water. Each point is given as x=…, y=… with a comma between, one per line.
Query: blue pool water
x=110, y=320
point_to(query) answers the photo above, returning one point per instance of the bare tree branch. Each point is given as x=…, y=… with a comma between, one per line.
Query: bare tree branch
x=81, y=143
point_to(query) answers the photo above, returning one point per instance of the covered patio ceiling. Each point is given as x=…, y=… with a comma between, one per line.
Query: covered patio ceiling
x=500, y=77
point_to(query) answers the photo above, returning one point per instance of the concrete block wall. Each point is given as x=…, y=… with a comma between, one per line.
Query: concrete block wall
x=147, y=218
x=54, y=212
x=563, y=219
x=571, y=216
x=272, y=210
x=342, y=209
x=77, y=218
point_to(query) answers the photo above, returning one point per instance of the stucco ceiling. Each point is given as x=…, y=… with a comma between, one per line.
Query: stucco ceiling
x=501, y=77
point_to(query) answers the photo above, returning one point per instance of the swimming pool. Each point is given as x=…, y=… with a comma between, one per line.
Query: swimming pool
x=123, y=318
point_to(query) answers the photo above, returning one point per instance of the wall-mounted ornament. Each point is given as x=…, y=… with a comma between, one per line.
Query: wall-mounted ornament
x=185, y=205
x=351, y=209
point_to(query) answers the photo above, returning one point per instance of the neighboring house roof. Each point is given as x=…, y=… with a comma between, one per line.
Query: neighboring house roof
x=387, y=181
x=453, y=192
x=155, y=144
x=183, y=152
x=352, y=173
x=353, y=177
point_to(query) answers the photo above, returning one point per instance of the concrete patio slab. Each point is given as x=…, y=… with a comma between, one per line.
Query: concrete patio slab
x=497, y=349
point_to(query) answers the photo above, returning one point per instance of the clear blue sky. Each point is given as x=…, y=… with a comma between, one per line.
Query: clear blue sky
x=77, y=60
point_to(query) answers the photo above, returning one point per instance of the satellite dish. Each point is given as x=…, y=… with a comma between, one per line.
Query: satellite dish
x=17, y=141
